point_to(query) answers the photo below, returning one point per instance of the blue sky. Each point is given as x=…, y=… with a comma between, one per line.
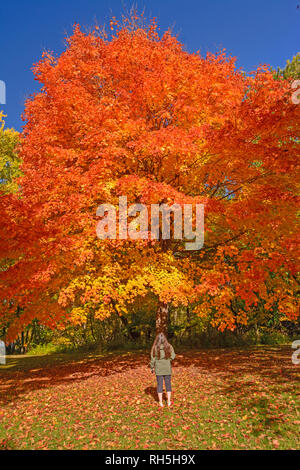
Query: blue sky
x=254, y=31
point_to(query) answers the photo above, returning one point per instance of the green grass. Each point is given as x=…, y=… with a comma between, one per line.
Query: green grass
x=223, y=399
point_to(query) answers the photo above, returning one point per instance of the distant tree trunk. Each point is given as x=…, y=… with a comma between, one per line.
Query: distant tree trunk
x=130, y=330
x=162, y=317
x=92, y=329
x=22, y=343
x=188, y=317
x=257, y=333
x=132, y=334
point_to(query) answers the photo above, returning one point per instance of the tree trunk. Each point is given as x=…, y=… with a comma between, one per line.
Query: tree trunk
x=188, y=317
x=162, y=317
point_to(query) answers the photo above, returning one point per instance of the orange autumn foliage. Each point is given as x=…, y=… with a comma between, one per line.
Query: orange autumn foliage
x=135, y=114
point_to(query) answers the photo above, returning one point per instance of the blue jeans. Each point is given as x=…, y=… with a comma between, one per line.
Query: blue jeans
x=160, y=382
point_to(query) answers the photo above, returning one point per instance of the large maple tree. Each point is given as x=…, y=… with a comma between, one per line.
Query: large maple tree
x=133, y=113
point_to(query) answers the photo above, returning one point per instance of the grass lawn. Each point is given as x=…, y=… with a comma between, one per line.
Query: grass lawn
x=223, y=399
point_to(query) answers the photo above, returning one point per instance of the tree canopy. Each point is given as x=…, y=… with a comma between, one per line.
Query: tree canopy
x=133, y=113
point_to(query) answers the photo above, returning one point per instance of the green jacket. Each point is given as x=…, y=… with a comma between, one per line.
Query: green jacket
x=162, y=366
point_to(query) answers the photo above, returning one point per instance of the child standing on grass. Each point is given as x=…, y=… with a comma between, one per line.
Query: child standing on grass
x=162, y=353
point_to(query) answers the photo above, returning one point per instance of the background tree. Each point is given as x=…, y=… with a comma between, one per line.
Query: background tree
x=291, y=70
x=9, y=160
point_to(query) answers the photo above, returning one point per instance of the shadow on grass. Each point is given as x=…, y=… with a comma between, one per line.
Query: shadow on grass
x=259, y=381
x=240, y=370
x=152, y=392
x=26, y=373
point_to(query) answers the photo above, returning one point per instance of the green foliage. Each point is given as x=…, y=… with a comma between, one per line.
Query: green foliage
x=273, y=337
x=45, y=349
x=185, y=331
x=291, y=70
x=9, y=160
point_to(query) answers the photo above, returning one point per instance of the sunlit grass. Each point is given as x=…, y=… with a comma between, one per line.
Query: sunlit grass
x=222, y=400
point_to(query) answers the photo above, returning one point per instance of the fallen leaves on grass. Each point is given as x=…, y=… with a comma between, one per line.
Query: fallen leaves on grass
x=236, y=400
